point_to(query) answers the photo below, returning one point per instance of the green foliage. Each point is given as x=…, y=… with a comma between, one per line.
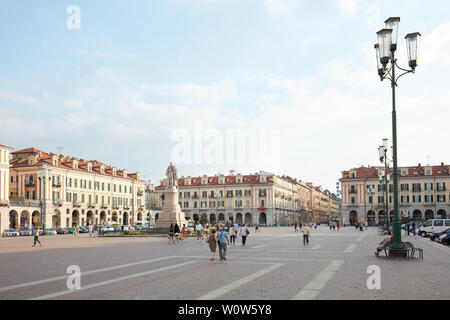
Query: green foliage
x=203, y=218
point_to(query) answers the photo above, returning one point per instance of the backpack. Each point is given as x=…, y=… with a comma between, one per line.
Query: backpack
x=248, y=231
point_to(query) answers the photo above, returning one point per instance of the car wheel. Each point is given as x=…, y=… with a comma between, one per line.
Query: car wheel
x=423, y=234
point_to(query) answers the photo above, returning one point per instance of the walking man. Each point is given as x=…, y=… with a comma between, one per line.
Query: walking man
x=223, y=240
x=295, y=227
x=198, y=229
x=305, y=232
x=407, y=228
x=91, y=229
x=243, y=232
x=36, y=237
x=414, y=228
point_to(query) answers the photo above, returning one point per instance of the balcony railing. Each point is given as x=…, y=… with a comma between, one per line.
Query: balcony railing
x=57, y=183
x=57, y=202
x=29, y=183
x=140, y=193
x=4, y=202
x=352, y=191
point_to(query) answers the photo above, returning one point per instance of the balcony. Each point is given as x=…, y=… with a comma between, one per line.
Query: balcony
x=4, y=202
x=352, y=191
x=91, y=205
x=57, y=202
x=229, y=195
x=56, y=183
x=76, y=203
x=440, y=188
x=29, y=183
x=195, y=196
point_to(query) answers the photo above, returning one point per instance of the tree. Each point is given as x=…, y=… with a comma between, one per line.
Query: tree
x=203, y=218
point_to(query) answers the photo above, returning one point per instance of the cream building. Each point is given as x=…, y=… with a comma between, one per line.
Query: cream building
x=422, y=193
x=261, y=198
x=57, y=191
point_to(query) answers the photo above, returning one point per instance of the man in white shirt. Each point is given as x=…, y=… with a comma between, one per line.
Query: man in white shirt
x=198, y=229
x=382, y=244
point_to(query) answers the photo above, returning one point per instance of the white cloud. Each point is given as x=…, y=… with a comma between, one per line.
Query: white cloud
x=14, y=98
x=282, y=6
x=348, y=7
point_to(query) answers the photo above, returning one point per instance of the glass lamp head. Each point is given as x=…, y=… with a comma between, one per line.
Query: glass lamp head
x=380, y=67
x=392, y=23
x=412, y=44
x=384, y=42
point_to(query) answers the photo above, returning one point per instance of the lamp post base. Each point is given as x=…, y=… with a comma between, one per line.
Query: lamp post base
x=398, y=253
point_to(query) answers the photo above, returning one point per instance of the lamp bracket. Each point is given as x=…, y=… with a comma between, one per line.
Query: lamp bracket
x=406, y=71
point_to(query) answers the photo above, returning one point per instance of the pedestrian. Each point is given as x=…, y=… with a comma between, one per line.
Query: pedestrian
x=236, y=227
x=232, y=235
x=177, y=233
x=212, y=241
x=366, y=224
x=295, y=227
x=338, y=225
x=184, y=232
x=73, y=230
x=305, y=232
x=222, y=240
x=414, y=228
x=408, y=224
x=95, y=231
x=315, y=226
x=202, y=231
x=77, y=230
x=382, y=244
x=171, y=233
x=333, y=224
x=244, y=232
x=198, y=229
x=36, y=237
x=91, y=230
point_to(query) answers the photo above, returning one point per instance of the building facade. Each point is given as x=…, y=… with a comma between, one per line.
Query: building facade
x=422, y=193
x=57, y=191
x=261, y=198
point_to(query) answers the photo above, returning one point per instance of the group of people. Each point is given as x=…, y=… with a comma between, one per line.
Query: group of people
x=175, y=234
x=225, y=236
x=335, y=225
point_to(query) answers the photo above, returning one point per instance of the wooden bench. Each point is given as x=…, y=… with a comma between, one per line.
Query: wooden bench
x=409, y=247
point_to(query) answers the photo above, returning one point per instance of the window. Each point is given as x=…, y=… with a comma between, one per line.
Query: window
x=381, y=187
x=428, y=223
x=114, y=188
x=109, y=187
x=417, y=199
x=120, y=188
x=428, y=186
x=428, y=198
x=186, y=204
x=211, y=195
x=248, y=193
x=238, y=203
x=76, y=183
x=404, y=173
x=90, y=199
x=229, y=193
x=438, y=223
x=262, y=193
x=440, y=198
x=187, y=194
x=69, y=196
x=380, y=199
x=262, y=179
x=370, y=199
x=353, y=200
x=404, y=187
x=262, y=202
x=203, y=204
x=103, y=186
x=125, y=189
x=90, y=185
x=428, y=172
x=440, y=186
x=416, y=186
x=238, y=193
x=82, y=198
x=204, y=194
x=447, y=223
x=195, y=204
x=220, y=181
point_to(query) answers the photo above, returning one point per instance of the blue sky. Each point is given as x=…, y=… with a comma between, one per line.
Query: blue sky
x=118, y=88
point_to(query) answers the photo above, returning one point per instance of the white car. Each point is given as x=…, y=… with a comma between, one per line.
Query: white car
x=433, y=226
x=107, y=229
x=50, y=232
x=10, y=233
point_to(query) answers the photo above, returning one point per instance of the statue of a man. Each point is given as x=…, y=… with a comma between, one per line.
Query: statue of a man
x=172, y=176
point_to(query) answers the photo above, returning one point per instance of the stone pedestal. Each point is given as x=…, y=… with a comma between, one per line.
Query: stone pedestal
x=171, y=210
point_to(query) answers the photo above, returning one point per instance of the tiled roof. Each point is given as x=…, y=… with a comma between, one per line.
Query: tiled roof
x=3, y=146
x=66, y=163
x=227, y=180
x=412, y=171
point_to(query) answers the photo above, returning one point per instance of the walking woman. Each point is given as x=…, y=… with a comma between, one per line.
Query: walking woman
x=177, y=233
x=36, y=237
x=243, y=232
x=184, y=231
x=212, y=244
x=232, y=234
x=171, y=233
x=305, y=232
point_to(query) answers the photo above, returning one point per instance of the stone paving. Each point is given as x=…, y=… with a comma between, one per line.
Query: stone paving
x=273, y=265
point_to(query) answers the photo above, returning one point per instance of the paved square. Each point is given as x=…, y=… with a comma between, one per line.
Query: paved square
x=273, y=265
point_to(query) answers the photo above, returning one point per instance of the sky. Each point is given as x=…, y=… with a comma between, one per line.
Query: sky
x=284, y=86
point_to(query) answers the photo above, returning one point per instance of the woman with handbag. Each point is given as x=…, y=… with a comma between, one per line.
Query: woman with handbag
x=244, y=232
x=212, y=241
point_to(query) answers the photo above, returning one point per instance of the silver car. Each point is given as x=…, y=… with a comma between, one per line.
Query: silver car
x=50, y=232
x=10, y=233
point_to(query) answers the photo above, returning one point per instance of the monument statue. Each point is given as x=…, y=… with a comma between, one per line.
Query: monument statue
x=171, y=212
x=172, y=176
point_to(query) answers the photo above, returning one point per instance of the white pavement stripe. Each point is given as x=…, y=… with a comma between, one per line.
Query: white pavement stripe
x=360, y=238
x=350, y=248
x=312, y=289
x=83, y=273
x=316, y=247
x=102, y=283
x=252, y=258
x=217, y=293
x=260, y=246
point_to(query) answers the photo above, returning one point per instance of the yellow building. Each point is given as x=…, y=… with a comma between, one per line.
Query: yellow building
x=58, y=191
x=422, y=193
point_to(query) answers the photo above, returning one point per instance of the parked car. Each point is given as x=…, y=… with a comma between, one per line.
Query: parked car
x=25, y=231
x=435, y=235
x=107, y=229
x=117, y=228
x=83, y=229
x=50, y=232
x=69, y=230
x=432, y=226
x=10, y=233
x=61, y=231
x=445, y=239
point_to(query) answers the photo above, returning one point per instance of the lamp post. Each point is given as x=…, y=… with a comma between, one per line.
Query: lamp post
x=385, y=177
x=370, y=193
x=385, y=53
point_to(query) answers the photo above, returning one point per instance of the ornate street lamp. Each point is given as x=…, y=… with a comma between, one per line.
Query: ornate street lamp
x=387, y=45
